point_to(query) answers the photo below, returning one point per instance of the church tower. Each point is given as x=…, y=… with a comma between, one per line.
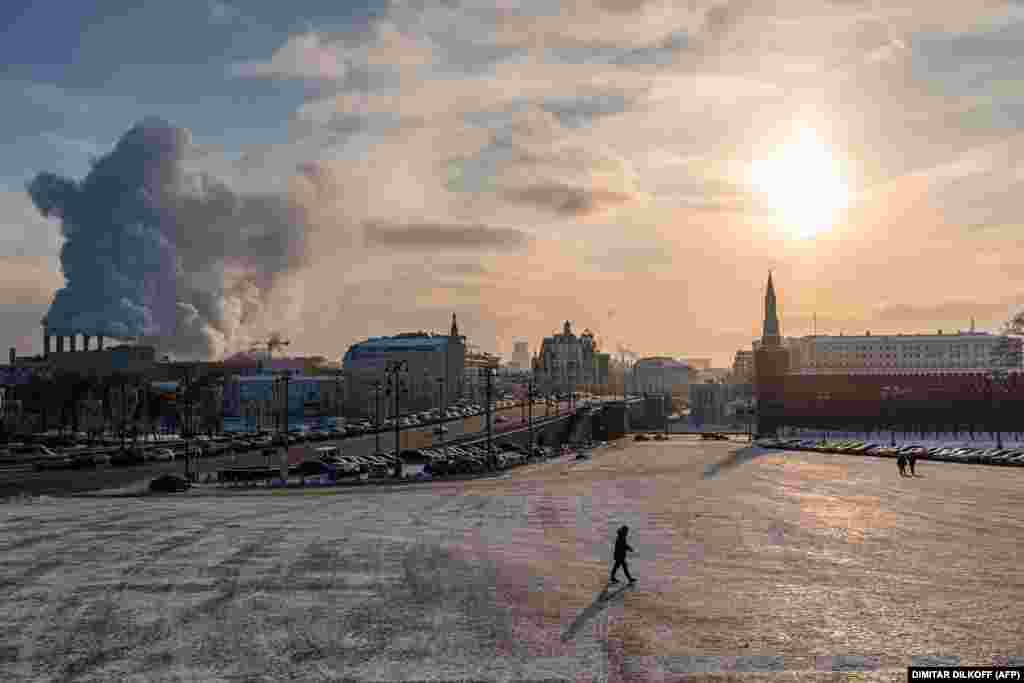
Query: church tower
x=771, y=364
x=770, y=330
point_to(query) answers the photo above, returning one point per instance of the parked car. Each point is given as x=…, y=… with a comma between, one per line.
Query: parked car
x=126, y=458
x=58, y=462
x=163, y=455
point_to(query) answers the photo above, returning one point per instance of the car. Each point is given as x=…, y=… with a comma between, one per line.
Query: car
x=58, y=462
x=169, y=483
x=163, y=455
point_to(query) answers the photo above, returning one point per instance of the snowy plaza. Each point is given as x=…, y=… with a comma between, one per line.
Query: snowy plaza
x=752, y=565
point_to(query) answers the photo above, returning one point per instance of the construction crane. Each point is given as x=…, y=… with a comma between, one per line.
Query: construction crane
x=275, y=342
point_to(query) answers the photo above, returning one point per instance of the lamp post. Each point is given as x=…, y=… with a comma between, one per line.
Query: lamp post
x=666, y=404
x=531, y=393
x=337, y=400
x=377, y=386
x=442, y=411
x=997, y=379
x=397, y=386
x=823, y=398
x=488, y=373
x=888, y=394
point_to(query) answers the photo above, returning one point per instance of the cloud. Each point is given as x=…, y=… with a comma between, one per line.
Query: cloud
x=962, y=310
x=154, y=250
x=567, y=200
x=307, y=56
x=433, y=235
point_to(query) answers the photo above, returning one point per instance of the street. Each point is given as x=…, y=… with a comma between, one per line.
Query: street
x=25, y=481
x=763, y=565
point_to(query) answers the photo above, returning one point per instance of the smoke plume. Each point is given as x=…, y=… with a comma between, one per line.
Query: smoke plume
x=154, y=251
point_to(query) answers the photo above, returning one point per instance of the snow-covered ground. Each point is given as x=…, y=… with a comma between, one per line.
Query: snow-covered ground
x=754, y=564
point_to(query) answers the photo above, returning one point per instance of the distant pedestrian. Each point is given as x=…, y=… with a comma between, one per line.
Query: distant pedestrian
x=621, y=548
x=911, y=459
x=901, y=462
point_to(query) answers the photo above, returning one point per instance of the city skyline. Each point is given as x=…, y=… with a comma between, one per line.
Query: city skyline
x=369, y=169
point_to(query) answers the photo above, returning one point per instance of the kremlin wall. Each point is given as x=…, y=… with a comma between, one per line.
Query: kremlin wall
x=982, y=396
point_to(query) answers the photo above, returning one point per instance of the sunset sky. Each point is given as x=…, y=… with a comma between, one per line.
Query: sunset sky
x=634, y=167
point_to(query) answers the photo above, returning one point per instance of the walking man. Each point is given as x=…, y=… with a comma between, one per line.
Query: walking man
x=621, y=548
x=911, y=459
x=901, y=462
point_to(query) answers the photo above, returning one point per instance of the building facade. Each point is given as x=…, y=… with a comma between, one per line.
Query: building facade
x=255, y=402
x=743, y=366
x=965, y=381
x=903, y=352
x=567, y=361
x=660, y=374
x=520, y=359
x=429, y=357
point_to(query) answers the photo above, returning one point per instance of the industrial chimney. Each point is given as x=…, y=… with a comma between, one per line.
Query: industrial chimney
x=14, y=355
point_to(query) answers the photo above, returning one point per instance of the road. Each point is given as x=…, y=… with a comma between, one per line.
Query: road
x=25, y=481
x=753, y=565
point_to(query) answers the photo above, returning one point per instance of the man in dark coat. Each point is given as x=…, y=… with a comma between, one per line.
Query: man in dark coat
x=901, y=462
x=911, y=459
x=621, y=548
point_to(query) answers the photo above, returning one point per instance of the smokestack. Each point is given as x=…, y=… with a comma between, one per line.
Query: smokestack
x=74, y=340
x=85, y=342
x=60, y=343
x=99, y=342
x=14, y=355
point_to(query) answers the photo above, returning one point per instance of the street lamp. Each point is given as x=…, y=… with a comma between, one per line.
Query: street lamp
x=998, y=378
x=488, y=374
x=377, y=386
x=531, y=393
x=441, y=420
x=823, y=398
x=397, y=386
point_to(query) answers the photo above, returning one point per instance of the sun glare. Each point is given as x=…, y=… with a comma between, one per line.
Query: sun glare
x=803, y=184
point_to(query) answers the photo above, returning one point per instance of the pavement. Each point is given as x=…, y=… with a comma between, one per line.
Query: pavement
x=752, y=565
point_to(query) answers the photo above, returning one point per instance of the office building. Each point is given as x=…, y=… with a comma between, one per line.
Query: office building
x=429, y=357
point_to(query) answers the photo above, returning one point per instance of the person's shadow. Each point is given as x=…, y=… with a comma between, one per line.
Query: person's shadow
x=737, y=458
x=604, y=599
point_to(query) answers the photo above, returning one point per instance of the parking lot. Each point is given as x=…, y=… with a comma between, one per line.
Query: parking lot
x=753, y=564
x=24, y=479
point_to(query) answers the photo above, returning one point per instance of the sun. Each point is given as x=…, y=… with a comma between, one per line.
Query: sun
x=803, y=184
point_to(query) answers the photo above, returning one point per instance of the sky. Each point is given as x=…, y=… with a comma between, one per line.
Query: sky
x=332, y=171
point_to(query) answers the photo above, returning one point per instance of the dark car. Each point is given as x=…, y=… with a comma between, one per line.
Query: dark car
x=127, y=458
x=313, y=468
x=83, y=461
x=61, y=462
x=169, y=483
